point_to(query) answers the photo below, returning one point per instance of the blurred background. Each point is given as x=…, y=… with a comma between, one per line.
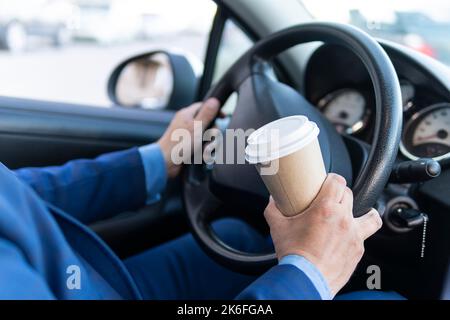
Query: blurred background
x=64, y=50
x=423, y=25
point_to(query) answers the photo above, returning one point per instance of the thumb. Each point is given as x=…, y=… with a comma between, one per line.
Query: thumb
x=369, y=223
x=272, y=213
x=208, y=111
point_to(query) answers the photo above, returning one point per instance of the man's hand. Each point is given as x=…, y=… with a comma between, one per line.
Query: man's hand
x=184, y=119
x=326, y=233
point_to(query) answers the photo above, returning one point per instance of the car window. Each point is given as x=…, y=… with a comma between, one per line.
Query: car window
x=233, y=44
x=420, y=25
x=65, y=50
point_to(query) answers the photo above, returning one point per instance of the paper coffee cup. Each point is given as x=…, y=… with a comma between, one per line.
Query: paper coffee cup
x=287, y=155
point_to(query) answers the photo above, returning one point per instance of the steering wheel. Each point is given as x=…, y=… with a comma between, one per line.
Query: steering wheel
x=212, y=191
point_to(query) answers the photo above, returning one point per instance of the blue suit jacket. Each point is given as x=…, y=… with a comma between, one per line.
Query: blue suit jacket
x=43, y=236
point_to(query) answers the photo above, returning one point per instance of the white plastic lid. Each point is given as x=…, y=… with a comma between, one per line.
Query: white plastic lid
x=293, y=133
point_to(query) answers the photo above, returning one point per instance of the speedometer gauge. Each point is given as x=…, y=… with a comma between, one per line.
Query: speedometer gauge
x=346, y=109
x=427, y=133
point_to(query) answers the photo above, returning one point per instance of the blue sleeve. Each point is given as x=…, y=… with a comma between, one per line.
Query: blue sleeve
x=282, y=282
x=155, y=171
x=311, y=271
x=92, y=189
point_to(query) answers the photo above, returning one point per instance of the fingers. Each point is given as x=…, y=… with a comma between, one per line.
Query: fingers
x=332, y=189
x=208, y=111
x=369, y=223
x=347, y=200
x=193, y=109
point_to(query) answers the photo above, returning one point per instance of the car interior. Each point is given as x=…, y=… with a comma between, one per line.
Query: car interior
x=385, y=109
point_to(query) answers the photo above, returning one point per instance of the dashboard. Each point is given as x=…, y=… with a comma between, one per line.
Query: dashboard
x=339, y=85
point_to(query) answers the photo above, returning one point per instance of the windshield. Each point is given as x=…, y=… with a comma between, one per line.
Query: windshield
x=418, y=24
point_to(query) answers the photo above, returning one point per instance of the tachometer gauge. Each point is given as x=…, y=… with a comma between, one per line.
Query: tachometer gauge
x=427, y=133
x=346, y=109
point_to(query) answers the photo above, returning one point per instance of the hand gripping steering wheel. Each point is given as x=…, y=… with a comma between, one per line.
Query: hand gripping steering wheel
x=210, y=192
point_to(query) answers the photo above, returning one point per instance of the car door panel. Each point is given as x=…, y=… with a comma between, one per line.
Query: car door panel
x=37, y=133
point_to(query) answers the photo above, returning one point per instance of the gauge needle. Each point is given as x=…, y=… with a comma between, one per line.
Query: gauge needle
x=427, y=137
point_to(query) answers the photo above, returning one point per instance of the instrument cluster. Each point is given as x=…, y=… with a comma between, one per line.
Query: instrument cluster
x=426, y=131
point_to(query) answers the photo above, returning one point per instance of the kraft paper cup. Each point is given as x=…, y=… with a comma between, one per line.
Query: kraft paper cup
x=287, y=155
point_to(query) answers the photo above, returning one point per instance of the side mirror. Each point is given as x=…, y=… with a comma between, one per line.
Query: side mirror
x=154, y=80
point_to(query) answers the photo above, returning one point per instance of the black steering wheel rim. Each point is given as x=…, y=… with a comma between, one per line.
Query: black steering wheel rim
x=374, y=174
